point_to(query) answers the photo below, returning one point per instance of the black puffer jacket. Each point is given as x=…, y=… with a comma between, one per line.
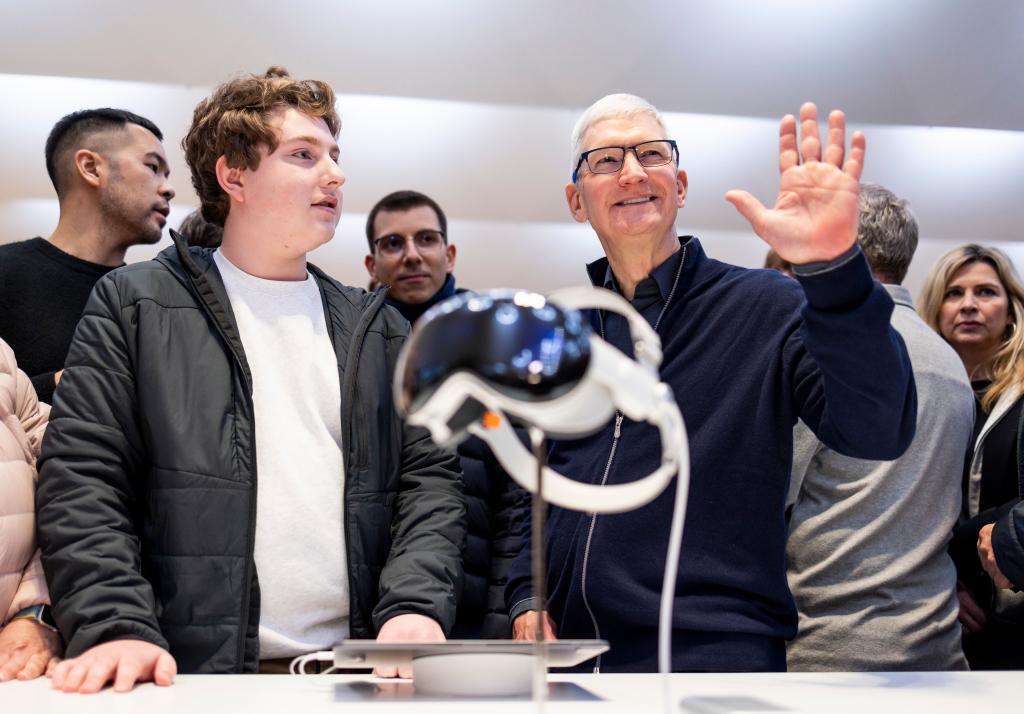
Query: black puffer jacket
x=496, y=509
x=147, y=491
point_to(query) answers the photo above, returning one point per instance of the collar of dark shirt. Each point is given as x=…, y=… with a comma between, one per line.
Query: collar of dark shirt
x=413, y=311
x=655, y=288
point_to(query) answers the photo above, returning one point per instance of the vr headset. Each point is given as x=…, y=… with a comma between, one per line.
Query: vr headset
x=475, y=360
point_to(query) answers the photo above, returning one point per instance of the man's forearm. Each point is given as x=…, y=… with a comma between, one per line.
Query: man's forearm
x=424, y=567
x=865, y=376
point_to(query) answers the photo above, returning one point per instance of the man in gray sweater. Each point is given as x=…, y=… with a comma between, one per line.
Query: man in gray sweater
x=866, y=551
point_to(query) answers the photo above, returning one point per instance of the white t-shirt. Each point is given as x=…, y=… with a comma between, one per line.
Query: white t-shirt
x=300, y=547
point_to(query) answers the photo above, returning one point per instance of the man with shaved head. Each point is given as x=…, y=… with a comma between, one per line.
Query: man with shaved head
x=110, y=172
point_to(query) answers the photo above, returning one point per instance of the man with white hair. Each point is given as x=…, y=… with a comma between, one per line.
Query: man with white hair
x=746, y=352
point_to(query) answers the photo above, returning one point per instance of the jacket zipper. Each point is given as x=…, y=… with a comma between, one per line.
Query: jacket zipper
x=347, y=392
x=238, y=355
x=611, y=457
x=250, y=560
x=590, y=535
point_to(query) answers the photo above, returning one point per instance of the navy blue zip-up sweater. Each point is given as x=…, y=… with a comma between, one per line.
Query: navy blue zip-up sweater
x=746, y=355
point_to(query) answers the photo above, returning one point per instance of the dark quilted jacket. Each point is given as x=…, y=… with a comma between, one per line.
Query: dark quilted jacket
x=147, y=489
x=496, y=511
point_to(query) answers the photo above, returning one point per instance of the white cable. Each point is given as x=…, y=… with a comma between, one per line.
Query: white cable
x=298, y=665
x=675, y=542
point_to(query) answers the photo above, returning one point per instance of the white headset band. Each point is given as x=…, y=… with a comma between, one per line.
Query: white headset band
x=646, y=343
x=566, y=492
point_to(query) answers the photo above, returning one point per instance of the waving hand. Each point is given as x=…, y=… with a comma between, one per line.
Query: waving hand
x=815, y=214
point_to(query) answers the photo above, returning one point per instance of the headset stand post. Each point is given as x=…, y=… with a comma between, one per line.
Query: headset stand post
x=538, y=508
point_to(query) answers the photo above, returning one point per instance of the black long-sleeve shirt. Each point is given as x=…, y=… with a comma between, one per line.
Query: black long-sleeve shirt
x=43, y=291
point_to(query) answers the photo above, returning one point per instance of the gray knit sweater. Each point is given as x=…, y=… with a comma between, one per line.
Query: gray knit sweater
x=866, y=552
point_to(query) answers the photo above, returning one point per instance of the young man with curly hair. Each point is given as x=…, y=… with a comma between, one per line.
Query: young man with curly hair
x=226, y=484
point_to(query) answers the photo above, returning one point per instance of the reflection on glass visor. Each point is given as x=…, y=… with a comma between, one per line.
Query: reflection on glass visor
x=517, y=343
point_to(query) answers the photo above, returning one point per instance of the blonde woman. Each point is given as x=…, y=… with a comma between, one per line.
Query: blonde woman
x=974, y=299
x=28, y=640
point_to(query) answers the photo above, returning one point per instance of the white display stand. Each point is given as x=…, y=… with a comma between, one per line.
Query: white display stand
x=462, y=668
x=839, y=693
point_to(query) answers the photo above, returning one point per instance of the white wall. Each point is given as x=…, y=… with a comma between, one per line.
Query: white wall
x=499, y=172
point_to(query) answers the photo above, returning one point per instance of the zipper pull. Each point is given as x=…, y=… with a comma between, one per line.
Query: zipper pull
x=618, y=425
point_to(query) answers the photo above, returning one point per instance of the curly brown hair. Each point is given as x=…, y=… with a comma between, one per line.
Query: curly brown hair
x=235, y=121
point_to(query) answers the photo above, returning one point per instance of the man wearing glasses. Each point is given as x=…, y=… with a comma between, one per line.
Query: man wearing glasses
x=746, y=352
x=409, y=254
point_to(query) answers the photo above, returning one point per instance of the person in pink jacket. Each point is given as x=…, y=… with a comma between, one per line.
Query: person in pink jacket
x=28, y=642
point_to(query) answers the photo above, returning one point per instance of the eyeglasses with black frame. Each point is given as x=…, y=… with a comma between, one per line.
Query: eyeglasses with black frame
x=609, y=159
x=426, y=241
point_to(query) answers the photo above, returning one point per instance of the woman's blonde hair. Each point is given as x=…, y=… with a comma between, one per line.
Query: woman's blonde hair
x=1007, y=367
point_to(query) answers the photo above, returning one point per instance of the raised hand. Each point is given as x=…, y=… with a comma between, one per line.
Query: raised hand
x=815, y=214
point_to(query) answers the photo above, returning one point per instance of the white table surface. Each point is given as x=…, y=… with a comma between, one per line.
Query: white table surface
x=877, y=693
